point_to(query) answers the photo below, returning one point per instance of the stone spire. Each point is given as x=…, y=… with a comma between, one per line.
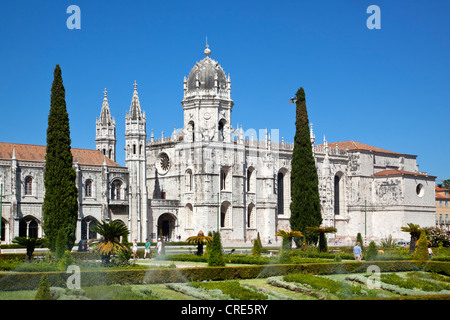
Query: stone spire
x=105, y=138
x=135, y=108
x=105, y=113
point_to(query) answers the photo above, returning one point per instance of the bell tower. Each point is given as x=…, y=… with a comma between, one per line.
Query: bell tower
x=135, y=161
x=207, y=102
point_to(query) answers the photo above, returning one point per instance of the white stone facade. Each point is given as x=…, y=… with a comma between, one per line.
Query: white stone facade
x=209, y=175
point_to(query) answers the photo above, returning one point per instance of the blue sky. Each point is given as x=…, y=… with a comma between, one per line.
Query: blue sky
x=387, y=88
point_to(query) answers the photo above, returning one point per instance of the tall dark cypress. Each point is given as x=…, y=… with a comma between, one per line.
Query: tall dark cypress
x=60, y=205
x=305, y=200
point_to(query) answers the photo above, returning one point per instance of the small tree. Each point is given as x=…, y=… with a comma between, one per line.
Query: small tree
x=287, y=237
x=372, y=252
x=421, y=251
x=321, y=231
x=200, y=239
x=414, y=230
x=43, y=292
x=110, y=242
x=215, y=252
x=257, y=247
x=360, y=240
x=29, y=243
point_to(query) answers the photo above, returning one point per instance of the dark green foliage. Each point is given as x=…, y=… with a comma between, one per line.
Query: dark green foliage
x=257, y=247
x=305, y=201
x=215, y=252
x=421, y=250
x=43, y=292
x=60, y=205
x=372, y=252
x=323, y=246
x=61, y=243
x=29, y=243
x=360, y=240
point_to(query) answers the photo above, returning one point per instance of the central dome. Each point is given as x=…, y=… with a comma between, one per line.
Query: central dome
x=207, y=74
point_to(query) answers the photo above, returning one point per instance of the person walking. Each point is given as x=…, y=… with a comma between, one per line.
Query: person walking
x=134, y=249
x=147, y=249
x=159, y=246
x=357, y=251
x=430, y=252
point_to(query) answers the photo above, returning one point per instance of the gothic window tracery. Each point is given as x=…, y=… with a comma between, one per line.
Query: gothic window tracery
x=28, y=186
x=88, y=188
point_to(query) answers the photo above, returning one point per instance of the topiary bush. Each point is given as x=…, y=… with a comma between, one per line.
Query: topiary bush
x=43, y=292
x=372, y=252
x=215, y=252
x=421, y=252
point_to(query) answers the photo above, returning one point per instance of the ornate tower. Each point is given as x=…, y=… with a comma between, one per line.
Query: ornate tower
x=105, y=138
x=135, y=161
x=207, y=102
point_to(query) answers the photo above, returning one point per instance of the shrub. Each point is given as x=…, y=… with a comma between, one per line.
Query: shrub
x=421, y=251
x=257, y=247
x=372, y=252
x=215, y=252
x=43, y=292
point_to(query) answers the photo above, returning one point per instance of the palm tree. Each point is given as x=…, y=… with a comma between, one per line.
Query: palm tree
x=414, y=230
x=110, y=243
x=29, y=243
x=288, y=235
x=200, y=239
x=321, y=231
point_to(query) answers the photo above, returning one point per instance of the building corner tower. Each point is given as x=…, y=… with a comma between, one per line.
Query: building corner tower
x=135, y=161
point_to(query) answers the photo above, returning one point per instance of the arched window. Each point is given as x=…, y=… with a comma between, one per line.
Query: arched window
x=221, y=126
x=251, y=217
x=188, y=180
x=225, y=215
x=189, y=216
x=28, y=227
x=3, y=237
x=338, y=194
x=280, y=192
x=191, y=128
x=224, y=179
x=116, y=186
x=251, y=180
x=28, y=186
x=88, y=188
x=134, y=149
x=86, y=225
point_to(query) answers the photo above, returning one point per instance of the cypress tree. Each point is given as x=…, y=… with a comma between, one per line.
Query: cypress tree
x=60, y=205
x=215, y=252
x=43, y=292
x=305, y=200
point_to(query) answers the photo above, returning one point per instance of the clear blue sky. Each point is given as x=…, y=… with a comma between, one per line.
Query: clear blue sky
x=389, y=88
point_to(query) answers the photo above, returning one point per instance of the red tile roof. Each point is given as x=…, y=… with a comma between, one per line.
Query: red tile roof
x=29, y=152
x=354, y=146
x=440, y=193
x=401, y=173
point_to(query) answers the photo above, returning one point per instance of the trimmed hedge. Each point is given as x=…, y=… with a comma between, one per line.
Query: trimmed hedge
x=30, y=280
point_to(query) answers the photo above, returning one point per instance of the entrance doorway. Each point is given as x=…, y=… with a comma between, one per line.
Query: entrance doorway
x=166, y=226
